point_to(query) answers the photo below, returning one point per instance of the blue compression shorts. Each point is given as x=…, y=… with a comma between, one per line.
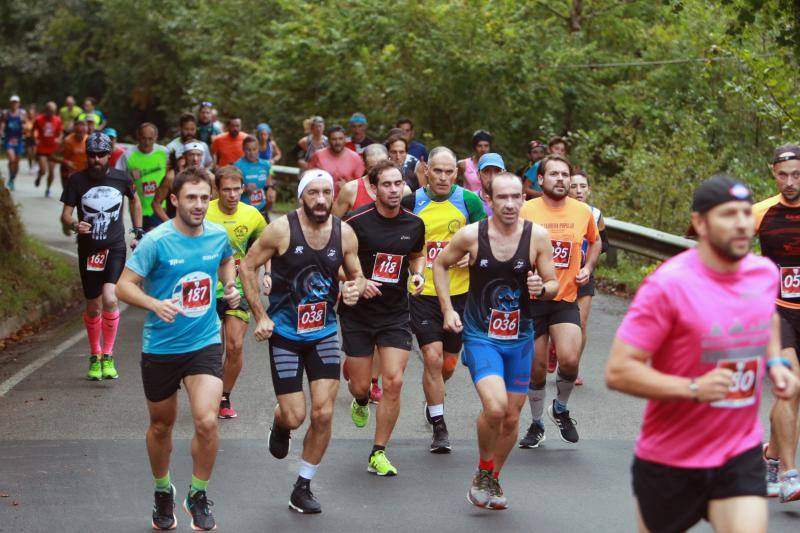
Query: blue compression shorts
x=512, y=362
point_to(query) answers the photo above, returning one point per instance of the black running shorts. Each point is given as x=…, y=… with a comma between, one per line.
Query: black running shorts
x=427, y=321
x=287, y=359
x=588, y=289
x=546, y=313
x=98, y=268
x=359, y=338
x=162, y=374
x=790, y=328
x=675, y=499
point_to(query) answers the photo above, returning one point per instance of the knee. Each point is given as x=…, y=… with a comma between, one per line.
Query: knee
x=206, y=426
x=360, y=388
x=495, y=412
x=322, y=415
x=93, y=308
x=433, y=361
x=160, y=429
x=569, y=363
x=392, y=385
x=233, y=347
x=110, y=303
x=292, y=418
x=510, y=421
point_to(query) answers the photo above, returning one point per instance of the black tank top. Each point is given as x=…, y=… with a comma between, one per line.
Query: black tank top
x=305, y=285
x=498, y=304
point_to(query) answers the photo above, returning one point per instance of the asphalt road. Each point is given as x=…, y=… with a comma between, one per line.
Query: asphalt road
x=73, y=453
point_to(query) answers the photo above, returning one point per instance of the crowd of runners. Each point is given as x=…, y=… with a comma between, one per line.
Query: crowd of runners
x=391, y=243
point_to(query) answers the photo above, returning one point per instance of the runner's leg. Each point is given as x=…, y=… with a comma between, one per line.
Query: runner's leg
x=235, y=330
x=585, y=307
x=509, y=429
x=741, y=514
x=159, y=434
x=784, y=423
x=393, y=366
x=204, y=393
x=323, y=394
x=494, y=399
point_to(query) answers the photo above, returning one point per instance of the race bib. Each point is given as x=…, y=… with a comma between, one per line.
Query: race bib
x=504, y=325
x=149, y=188
x=97, y=261
x=434, y=249
x=256, y=197
x=387, y=267
x=193, y=294
x=745, y=378
x=790, y=282
x=311, y=317
x=562, y=252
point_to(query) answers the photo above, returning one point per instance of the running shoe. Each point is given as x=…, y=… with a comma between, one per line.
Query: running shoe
x=164, y=510
x=440, y=443
x=226, y=410
x=95, y=369
x=480, y=493
x=359, y=414
x=197, y=506
x=552, y=359
x=497, y=499
x=428, y=418
x=302, y=499
x=375, y=393
x=566, y=425
x=533, y=438
x=773, y=474
x=38, y=180
x=380, y=465
x=47, y=193
x=280, y=441
x=790, y=486
x=579, y=381
x=109, y=370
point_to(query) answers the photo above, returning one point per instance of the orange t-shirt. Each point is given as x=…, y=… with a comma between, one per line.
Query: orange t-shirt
x=568, y=227
x=75, y=152
x=228, y=149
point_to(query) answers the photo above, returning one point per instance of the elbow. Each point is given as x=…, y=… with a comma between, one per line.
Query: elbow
x=613, y=378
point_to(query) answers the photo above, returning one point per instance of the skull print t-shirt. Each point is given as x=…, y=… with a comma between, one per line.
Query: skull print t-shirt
x=99, y=202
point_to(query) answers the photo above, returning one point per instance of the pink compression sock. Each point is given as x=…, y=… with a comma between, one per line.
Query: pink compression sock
x=110, y=325
x=93, y=332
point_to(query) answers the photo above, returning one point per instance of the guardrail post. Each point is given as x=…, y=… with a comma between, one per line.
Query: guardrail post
x=611, y=256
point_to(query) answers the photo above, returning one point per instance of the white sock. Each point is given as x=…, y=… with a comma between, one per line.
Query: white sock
x=436, y=410
x=307, y=470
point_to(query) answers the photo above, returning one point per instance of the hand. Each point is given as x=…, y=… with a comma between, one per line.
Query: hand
x=350, y=293
x=264, y=329
x=713, y=385
x=371, y=289
x=267, y=284
x=418, y=280
x=231, y=295
x=452, y=322
x=84, y=228
x=166, y=310
x=583, y=276
x=784, y=382
x=463, y=262
x=134, y=244
x=535, y=284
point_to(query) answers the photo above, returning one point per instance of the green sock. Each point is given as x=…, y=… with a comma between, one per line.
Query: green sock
x=197, y=485
x=163, y=484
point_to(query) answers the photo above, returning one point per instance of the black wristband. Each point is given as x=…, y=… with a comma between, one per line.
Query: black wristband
x=138, y=233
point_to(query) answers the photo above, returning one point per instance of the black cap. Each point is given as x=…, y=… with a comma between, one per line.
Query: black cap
x=787, y=152
x=98, y=142
x=717, y=190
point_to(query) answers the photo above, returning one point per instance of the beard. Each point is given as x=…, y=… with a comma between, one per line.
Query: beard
x=555, y=195
x=726, y=250
x=97, y=171
x=317, y=218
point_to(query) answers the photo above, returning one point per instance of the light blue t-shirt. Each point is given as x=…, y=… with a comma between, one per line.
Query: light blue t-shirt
x=531, y=175
x=184, y=269
x=255, y=182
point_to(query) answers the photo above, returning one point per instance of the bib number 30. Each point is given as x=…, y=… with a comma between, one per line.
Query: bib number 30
x=504, y=325
x=745, y=379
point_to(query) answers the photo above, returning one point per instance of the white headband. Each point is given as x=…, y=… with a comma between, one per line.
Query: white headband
x=311, y=175
x=193, y=146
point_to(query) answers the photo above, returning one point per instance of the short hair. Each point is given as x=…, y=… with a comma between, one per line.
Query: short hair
x=91, y=99
x=502, y=175
x=144, y=125
x=557, y=140
x=190, y=175
x=249, y=139
x=373, y=150
x=232, y=118
x=577, y=171
x=336, y=128
x=396, y=138
x=226, y=172
x=404, y=120
x=186, y=118
x=380, y=167
x=394, y=131
x=543, y=163
x=442, y=150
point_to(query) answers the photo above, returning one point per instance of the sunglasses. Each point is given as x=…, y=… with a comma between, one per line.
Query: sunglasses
x=206, y=104
x=97, y=155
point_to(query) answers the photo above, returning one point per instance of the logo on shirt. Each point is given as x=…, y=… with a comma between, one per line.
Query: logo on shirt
x=298, y=250
x=453, y=226
x=405, y=237
x=484, y=263
x=210, y=257
x=331, y=252
x=519, y=265
x=173, y=262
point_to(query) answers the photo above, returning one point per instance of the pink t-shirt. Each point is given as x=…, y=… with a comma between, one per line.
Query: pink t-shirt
x=472, y=178
x=344, y=166
x=692, y=319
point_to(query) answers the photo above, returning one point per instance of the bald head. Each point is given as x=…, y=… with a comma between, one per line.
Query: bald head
x=374, y=154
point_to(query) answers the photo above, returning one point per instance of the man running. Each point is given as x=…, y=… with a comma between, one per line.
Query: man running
x=11, y=131
x=227, y=147
x=98, y=193
x=206, y=129
x=337, y=160
x=192, y=155
x=47, y=130
x=117, y=151
x=257, y=178
x=244, y=224
x=306, y=248
x=468, y=168
x=356, y=193
x=90, y=112
x=358, y=139
x=187, y=126
x=68, y=113
x=696, y=342
x=568, y=222
x=415, y=148
x=73, y=152
x=444, y=208
x=778, y=228
x=146, y=163
x=390, y=247
x=498, y=332
x=172, y=274
x=530, y=173
x=489, y=165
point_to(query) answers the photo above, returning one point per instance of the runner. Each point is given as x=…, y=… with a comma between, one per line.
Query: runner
x=415, y=148
x=73, y=152
x=178, y=264
x=340, y=162
x=192, y=156
x=11, y=130
x=530, y=174
x=146, y=164
x=778, y=229
x=268, y=148
x=258, y=189
x=580, y=190
x=489, y=165
x=206, y=129
x=558, y=146
x=116, y=151
x=98, y=193
x=444, y=208
x=68, y=113
x=306, y=248
x=468, y=168
x=498, y=330
x=568, y=222
x=397, y=146
x=227, y=147
x=244, y=224
x=390, y=246
x=694, y=343
x=187, y=126
x=311, y=143
x=90, y=110
x=358, y=139
x=47, y=130
x=30, y=135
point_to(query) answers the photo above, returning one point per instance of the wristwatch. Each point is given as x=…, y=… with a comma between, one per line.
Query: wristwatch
x=694, y=389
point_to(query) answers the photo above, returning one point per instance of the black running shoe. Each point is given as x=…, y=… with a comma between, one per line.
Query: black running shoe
x=427, y=414
x=164, y=510
x=197, y=507
x=441, y=438
x=533, y=438
x=302, y=499
x=566, y=425
x=38, y=180
x=280, y=441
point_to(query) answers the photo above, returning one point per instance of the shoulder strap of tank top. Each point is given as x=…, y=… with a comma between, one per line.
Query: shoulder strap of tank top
x=295, y=231
x=525, y=240
x=336, y=229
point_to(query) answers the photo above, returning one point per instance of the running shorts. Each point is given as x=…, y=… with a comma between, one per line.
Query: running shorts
x=242, y=312
x=359, y=338
x=790, y=328
x=588, y=289
x=162, y=374
x=427, y=321
x=98, y=268
x=18, y=146
x=288, y=358
x=675, y=499
x=512, y=362
x=546, y=313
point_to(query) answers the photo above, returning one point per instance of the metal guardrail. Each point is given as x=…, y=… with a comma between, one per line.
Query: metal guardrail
x=645, y=241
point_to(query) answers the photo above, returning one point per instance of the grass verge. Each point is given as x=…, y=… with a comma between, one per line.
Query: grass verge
x=624, y=278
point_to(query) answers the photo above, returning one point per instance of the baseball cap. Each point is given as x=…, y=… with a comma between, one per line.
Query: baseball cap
x=491, y=159
x=358, y=118
x=716, y=190
x=535, y=144
x=194, y=145
x=264, y=127
x=111, y=132
x=787, y=152
x=317, y=120
x=97, y=143
x=14, y=98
